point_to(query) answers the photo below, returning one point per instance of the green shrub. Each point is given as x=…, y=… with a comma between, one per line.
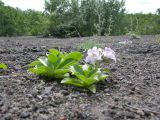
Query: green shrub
x=63, y=31
x=90, y=44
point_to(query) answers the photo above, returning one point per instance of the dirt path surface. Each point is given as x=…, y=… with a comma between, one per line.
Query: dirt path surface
x=132, y=92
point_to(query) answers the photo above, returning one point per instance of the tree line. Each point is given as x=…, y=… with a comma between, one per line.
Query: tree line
x=15, y=22
x=72, y=18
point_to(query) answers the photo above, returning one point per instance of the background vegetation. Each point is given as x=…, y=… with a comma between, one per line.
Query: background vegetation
x=71, y=18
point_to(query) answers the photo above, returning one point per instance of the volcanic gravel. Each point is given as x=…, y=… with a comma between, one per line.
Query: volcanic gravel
x=132, y=91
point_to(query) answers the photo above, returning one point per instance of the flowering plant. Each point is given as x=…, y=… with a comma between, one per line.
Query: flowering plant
x=87, y=76
x=67, y=67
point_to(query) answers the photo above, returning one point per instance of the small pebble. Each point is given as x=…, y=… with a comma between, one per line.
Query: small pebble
x=24, y=114
x=65, y=92
x=62, y=118
x=39, y=97
x=1, y=103
x=8, y=116
x=47, y=90
x=34, y=108
x=43, y=111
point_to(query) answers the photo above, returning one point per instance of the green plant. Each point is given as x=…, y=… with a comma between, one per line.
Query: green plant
x=90, y=44
x=3, y=66
x=63, y=31
x=89, y=17
x=55, y=64
x=66, y=66
x=85, y=76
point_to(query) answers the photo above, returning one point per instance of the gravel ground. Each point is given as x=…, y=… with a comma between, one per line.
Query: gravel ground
x=132, y=91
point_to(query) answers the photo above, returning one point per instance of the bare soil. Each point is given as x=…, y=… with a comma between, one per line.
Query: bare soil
x=132, y=91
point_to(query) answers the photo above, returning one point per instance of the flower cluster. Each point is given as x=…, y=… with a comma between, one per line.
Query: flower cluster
x=97, y=54
x=93, y=55
x=108, y=53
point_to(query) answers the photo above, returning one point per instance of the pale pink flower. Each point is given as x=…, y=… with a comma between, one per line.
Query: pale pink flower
x=93, y=55
x=109, y=53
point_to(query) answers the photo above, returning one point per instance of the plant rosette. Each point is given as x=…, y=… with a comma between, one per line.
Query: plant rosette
x=3, y=66
x=85, y=76
x=55, y=64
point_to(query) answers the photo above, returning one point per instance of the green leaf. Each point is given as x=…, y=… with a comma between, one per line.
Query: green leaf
x=3, y=66
x=44, y=61
x=91, y=81
x=40, y=70
x=66, y=63
x=34, y=63
x=57, y=62
x=72, y=81
x=92, y=73
x=81, y=77
x=60, y=73
x=78, y=69
x=74, y=55
x=70, y=59
x=92, y=88
x=54, y=52
x=52, y=58
x=103, y=76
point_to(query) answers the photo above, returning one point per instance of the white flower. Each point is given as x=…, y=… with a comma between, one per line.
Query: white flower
x=109, y=53
x=93, y=55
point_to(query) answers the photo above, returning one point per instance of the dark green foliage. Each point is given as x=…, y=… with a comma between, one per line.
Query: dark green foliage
x=88, y=17
x=10, y=21
x=36, y=23
x=15, y=22
x=98, y=17
x=75, y=18
x=64, y=31
x=142, y=24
